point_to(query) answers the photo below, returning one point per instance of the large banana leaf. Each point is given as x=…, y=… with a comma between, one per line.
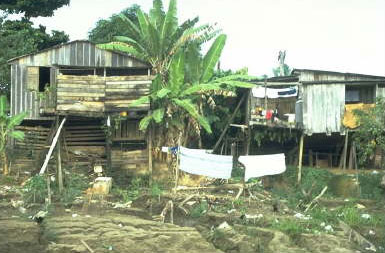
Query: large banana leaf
x=176, y=74
x=193, y=112
x=122, y=47
x=140, y=101
x=3, y=105
x=199, y=88
x=158, y=115
x=239, y=84
x=15, y=120
x=143, y=124
x=212, y=57
x=18, y=135
x=132, y=28
x=157, y=14
x=163, y=92
x=170, y=23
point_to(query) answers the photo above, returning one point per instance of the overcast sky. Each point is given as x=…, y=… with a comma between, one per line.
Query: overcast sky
x=343, y=35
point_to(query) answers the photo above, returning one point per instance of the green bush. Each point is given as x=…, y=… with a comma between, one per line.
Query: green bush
x=75, y=185
x=199, y=210
x=370, y=186
x=35, y=190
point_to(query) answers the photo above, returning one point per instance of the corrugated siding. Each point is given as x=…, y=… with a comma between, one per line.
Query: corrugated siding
x=81, y=54
x=323, y=108
x=23, y=100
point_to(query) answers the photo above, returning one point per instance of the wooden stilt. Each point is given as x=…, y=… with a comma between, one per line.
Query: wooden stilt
x=311, y=158
x=345, y=149
x=108, y=144
x=177, y=163
x=58, y=160
x=149, y=147
x=300, y=158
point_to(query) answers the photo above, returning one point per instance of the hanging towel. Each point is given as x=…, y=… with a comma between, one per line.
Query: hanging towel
x=263, y=165
x=199, y=162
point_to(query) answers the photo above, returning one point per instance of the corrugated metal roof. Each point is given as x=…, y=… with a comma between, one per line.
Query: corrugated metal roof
x=73, y=42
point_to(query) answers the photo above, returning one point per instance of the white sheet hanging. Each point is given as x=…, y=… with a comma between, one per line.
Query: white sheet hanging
x=259, y=92
x=199, y=162
x=263, y=165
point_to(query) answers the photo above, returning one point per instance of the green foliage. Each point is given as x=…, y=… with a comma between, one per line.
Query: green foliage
x=265, y=134
x=370, y=186
x=7, y=129
x=286, y=69
x=35, y=190
x=370, y=134
x=199, y=210
x=291, y=227
x=106, y=29
x=156, y=190
x=19, y=37
x=33, y=8
x=75, y=185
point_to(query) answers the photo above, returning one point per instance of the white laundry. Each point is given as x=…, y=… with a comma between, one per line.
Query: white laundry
x=263, y=165
x=199, y=162
x=261, y=92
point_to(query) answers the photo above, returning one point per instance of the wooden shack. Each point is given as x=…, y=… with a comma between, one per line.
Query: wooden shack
x=316, y=103
x=92, y=88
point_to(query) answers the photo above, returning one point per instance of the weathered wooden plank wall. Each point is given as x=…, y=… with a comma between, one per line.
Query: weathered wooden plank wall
x=96, y=94
x=121, y=91
x=128, y=130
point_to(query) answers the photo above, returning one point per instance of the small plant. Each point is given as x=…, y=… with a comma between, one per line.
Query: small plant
x=7, y=129
x=74, y=187
x=199, y=210
x=35, y=190
x=290, y=227
x=156, y=190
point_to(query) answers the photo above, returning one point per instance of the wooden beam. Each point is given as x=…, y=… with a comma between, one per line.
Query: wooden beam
x=229, y=122
x=58, y=160
x=42, y=170
x=108, y=143
x=300, y=158
x=149, y=147
x=345, y=149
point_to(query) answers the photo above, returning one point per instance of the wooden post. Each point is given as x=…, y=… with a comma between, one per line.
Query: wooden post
x=58, y=160
x=149, y=147
x=247, y=123
x=108, y=144
x=311, y=164
x=177, y=162
x=345, y=149
x=229, y=122
x=300, y=150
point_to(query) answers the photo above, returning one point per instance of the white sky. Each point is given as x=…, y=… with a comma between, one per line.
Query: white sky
x=343, y=35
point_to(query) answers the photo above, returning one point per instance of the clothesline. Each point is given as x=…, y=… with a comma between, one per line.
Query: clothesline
x=200, y=162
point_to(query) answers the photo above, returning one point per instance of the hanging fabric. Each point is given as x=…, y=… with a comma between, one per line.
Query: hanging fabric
x=260, y=92
x=263, y=165
x=199, y=162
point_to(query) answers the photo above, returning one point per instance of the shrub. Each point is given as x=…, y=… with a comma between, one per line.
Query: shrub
x=35, y=190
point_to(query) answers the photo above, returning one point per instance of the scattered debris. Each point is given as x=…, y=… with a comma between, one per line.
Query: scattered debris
x=74, y=215
x=224, y=226
x=122, y=205
x=365, y=216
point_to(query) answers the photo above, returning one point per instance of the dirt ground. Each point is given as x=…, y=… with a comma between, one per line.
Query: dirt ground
x=106, y=227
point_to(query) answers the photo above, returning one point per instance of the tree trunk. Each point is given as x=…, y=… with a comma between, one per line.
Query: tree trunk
x=5, y=164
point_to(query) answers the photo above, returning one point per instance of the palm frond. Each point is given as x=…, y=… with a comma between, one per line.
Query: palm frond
x=157, y=14
x=123, y=47
x=238, y=84
x=170, y=23
x=131, y=26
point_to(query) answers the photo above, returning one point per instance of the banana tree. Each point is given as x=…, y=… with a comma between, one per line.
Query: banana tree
x=176, y=103
x=159, y=36
x=7, y=129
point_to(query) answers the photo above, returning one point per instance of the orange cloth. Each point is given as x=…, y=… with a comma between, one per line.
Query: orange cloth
x=350, y=119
